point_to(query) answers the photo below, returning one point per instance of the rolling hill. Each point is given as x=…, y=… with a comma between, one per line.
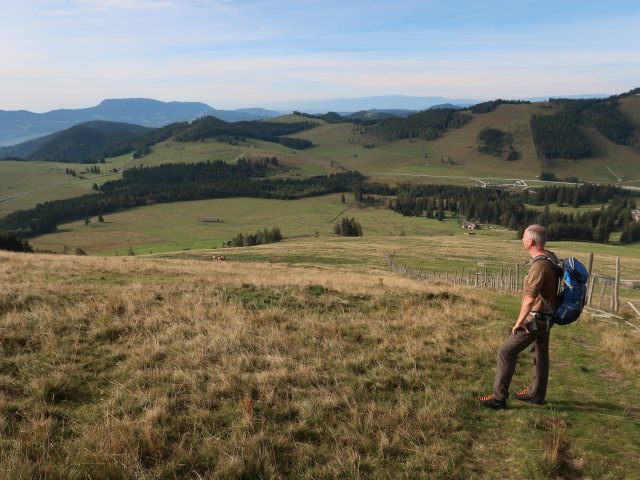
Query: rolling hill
x=81, y=143
x=20, y=126
x=452, y=156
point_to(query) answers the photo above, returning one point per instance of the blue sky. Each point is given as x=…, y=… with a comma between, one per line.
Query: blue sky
x=232, y=54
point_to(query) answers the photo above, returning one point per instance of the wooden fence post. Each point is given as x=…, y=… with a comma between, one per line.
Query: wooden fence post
x=604, y=285
x=591, y=281
x=510, y=287
x=615, y=304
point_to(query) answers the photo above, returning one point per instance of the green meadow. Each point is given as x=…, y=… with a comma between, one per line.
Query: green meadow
x=31, y=183
x=176, y=226
x=441, y=248
x=453, y=158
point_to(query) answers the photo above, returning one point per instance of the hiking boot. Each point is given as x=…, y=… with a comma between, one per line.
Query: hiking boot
x=525, y=396
x=491, y=402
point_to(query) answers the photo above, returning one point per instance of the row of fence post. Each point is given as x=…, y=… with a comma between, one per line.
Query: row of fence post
x=505, y=279
x=614, y=283
x=508, y=279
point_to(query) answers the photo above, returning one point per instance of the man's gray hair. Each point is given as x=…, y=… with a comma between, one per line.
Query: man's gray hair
x=537, y=233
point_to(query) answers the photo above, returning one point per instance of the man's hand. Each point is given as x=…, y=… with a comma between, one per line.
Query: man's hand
x=520, y=325
x=525, y=309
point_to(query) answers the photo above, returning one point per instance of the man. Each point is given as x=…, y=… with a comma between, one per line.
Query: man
x=539, y=298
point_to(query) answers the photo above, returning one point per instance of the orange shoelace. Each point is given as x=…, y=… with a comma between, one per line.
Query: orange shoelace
x=523, y=392
x=484, y=399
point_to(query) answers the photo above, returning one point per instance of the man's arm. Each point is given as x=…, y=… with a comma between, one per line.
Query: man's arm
x=525, y=309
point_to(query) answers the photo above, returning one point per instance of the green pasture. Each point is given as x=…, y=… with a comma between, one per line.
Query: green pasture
x=36, y=182
x=441, y=248
x=188, y=152
x=175, y=226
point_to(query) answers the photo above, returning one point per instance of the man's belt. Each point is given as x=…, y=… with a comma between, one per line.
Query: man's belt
x=542, y=315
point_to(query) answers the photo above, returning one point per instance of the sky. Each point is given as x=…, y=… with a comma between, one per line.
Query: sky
x=271, y=53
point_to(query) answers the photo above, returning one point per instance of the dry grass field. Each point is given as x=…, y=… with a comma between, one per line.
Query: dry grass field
x=149, y=367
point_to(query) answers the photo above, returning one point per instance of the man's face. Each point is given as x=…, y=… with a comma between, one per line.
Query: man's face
x=526, y=241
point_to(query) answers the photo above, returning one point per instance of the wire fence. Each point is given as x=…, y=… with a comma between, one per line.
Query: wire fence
x=603, y=291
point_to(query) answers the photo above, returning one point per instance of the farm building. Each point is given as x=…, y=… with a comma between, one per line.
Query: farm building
x=470, y=225
x=212, y=220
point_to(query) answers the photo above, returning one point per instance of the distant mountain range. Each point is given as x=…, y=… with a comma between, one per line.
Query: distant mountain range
x=21, y=125
x=391, y=103
x=384, y=102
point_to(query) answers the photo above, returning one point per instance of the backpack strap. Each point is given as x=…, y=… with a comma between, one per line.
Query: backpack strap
x=559, y=272
x=558, y=269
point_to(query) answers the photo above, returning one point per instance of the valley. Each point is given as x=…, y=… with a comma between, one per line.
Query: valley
x=135, y=346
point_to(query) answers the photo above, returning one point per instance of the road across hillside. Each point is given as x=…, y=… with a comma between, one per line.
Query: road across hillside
x=481, y=181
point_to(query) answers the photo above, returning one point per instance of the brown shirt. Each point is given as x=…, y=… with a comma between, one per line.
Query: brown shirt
x=542, y=281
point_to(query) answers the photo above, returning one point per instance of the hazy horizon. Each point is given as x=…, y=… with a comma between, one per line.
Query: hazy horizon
x=262, y=53
x=300, y=104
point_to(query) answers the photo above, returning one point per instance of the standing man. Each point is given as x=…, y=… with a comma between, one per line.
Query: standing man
x=539, y=299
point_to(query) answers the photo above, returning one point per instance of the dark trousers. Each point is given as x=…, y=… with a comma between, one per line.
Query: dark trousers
x=507, y=356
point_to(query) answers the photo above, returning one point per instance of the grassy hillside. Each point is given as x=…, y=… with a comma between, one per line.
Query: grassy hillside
x=307, y=225
x=25, y=184
x=337, y=146
x=155, y=368
x=175, y=226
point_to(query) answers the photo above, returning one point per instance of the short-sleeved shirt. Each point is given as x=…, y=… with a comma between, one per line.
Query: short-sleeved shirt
x=542, y=281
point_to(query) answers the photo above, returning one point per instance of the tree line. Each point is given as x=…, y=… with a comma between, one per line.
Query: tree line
x=558, y=135
x=211, y=127
x=491, y=105
x=493, y=141
x=174, y=183
x=499, y=207
x=295, y=143
x=261, y=237
x=427, y=125
x=10, y=241
x=348, y=227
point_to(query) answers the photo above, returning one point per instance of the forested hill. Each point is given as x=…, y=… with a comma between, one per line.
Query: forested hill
x=428, y=125
x=559, y=135
x=175, y=183
x=93, y=141
x=602, y=129
x=211, y=127
x=80, y=143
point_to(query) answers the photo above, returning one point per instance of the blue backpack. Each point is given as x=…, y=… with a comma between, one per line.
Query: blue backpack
x=573, y=291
